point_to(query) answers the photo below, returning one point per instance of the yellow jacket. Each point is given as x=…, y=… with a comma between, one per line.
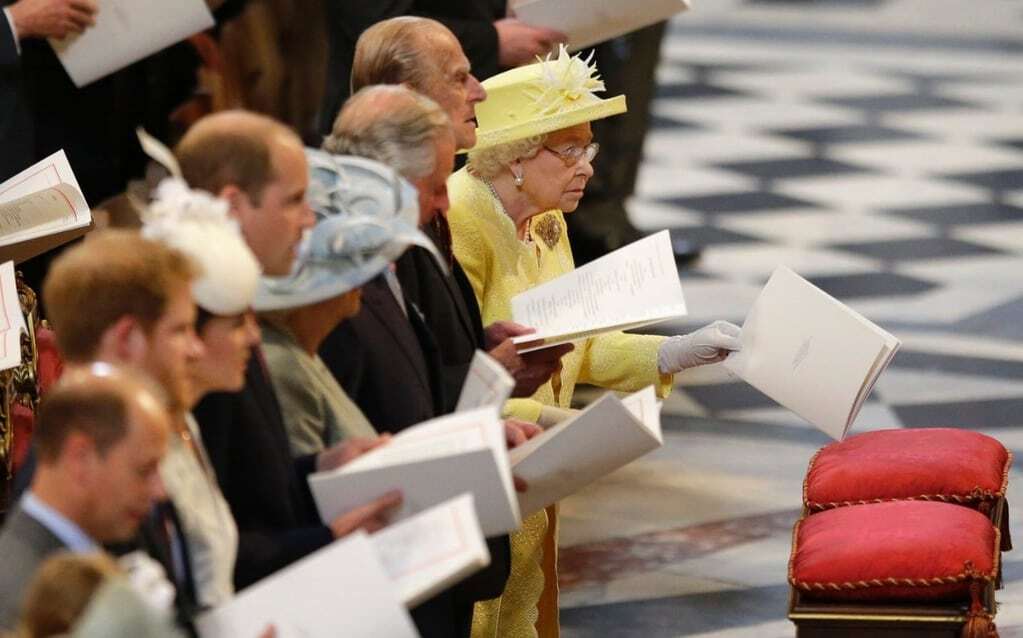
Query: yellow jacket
x=500, y=266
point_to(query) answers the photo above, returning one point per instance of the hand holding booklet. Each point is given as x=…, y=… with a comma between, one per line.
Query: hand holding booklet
x=811, y=353
x=607, y=435
x=431, y=463
x=636, y=285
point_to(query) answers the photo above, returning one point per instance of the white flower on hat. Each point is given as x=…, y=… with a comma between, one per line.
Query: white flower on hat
x=564, y=81
x=198, y=224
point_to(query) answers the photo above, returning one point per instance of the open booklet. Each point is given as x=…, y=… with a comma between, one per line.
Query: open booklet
x=586, y=22
x=487, y=384
x=127, y=31
x=811, y=353
x=634, y=286
x=40, y=204
x=340, y=590
x=610, y=433
x=12, y=322
x=431, y=551
x=430, y=463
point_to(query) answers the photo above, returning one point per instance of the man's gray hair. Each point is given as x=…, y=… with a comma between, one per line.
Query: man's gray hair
x=393, y=125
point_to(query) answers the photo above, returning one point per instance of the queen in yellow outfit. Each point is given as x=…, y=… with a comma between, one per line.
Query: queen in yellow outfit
x=530, y=165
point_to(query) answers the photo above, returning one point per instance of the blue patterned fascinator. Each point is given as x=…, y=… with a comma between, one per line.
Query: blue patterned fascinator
x=366, y=217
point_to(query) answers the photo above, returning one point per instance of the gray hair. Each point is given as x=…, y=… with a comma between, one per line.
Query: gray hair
x=393, y=125
x=489, y=162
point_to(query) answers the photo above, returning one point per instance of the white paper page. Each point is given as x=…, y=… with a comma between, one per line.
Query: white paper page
x=807, y=351
x=487, y=384
x=431, y=551
x=127, y=31
x=482, y=470
x=45, y=174
x=634, y=284
x=340, y=590
x=12, y=322
x=589, y=22
x=42, y=213
x=647, y=409
x=563, y=460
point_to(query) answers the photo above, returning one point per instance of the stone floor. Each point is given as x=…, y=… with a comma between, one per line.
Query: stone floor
x=875, y=147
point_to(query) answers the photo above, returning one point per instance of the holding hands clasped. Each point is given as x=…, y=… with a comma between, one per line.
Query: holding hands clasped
x=709, y=344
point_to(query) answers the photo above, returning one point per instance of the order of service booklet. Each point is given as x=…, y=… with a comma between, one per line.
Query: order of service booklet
x=811, y=353
x=342, y=589
x=40, y=208
x=486, y=384
x=430, y=463
x=589, y=22
x=636, y=285
x=610, y=433
x=431, y=551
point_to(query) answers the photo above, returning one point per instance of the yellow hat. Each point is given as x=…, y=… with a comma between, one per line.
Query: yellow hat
x=542, y=98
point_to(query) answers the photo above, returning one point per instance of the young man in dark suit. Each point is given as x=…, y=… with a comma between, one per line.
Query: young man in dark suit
x=258, y=166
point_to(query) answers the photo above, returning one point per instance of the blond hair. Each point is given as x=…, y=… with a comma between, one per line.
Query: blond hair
x=61, y=590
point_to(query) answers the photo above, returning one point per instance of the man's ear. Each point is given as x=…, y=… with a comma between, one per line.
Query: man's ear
x=79, y=455
x=124, y=342
x=237, y=200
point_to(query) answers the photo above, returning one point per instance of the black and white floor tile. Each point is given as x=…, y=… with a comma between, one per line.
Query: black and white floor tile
x=875, y=147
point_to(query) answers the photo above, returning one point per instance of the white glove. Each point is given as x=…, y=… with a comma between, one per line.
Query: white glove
x=709, y=344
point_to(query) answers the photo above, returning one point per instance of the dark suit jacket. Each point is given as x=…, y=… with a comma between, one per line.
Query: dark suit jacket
x=266, y=489
x=387, y=363
x=15, y=122
x=452, y=314
x=390, y=366
x=470, y=20
x=24, y=544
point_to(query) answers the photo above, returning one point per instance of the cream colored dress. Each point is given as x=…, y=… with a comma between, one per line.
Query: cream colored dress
x=206, y=519
x=499, y=266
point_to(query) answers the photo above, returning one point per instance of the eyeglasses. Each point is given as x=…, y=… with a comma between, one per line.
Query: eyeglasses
x=571, y=155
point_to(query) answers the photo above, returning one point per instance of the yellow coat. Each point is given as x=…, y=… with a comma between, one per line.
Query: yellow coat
x=500, y=266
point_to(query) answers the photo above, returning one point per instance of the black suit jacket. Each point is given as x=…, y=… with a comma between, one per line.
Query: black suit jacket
x=15, y=121
x=472, y=22
x=391, y=367
x=266, y=489
x=452, y=314
x=386, y=362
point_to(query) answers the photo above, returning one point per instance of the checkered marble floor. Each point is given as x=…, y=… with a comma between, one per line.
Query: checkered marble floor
x=875, y=147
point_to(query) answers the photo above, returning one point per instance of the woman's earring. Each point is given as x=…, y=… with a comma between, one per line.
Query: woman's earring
x=519, y=180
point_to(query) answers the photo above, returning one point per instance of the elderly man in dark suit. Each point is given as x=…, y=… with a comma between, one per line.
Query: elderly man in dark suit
x=22, y=20
x=100, y=436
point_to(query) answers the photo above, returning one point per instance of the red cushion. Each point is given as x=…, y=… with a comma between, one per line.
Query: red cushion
x=893, y=552
x=957, y=466
x=49, y=365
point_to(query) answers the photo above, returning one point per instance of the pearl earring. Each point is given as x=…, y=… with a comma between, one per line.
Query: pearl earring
x=519, y=180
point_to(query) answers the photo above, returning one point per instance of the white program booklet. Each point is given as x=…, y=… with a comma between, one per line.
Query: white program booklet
x=811, y=353
x=431, y=551
x=636, y=285
x=42, y=200
x=12, y=322
x=487, y=384
x=127, y=31
x=430, y=463
x=589, y=22
x=607, y=435
x=340, y=590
